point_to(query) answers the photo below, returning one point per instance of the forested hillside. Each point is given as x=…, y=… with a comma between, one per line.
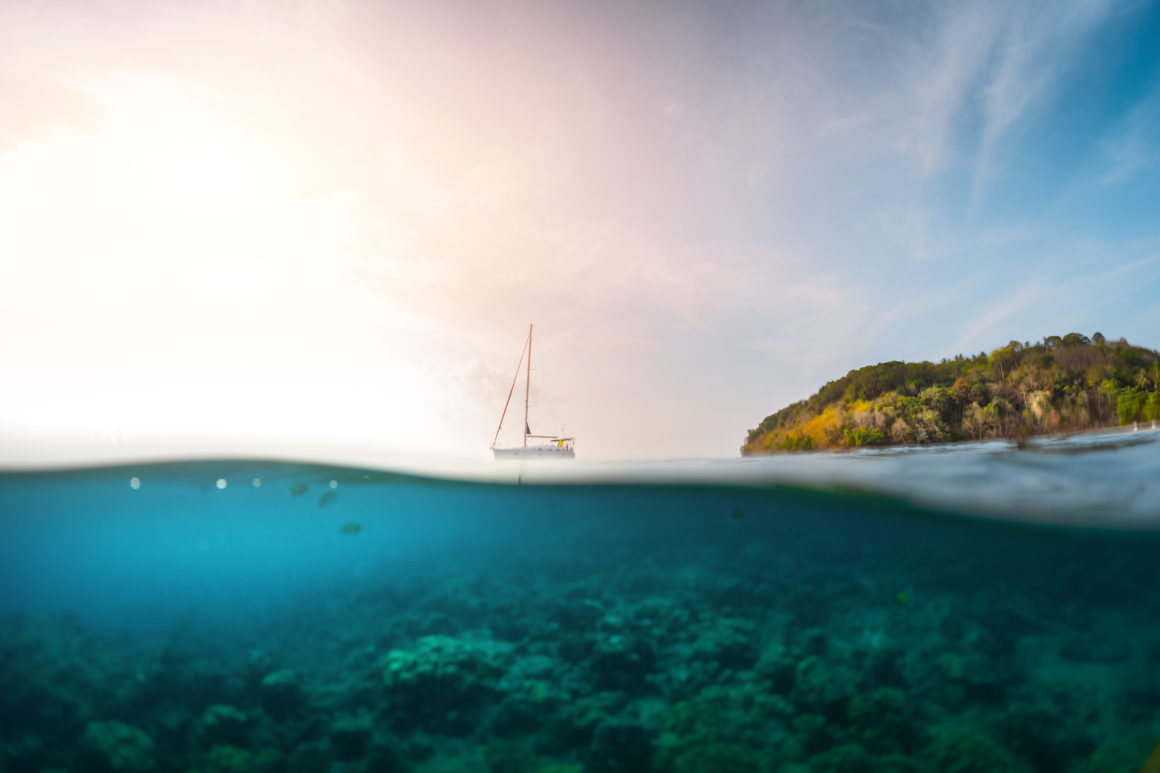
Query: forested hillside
x=1060, y=384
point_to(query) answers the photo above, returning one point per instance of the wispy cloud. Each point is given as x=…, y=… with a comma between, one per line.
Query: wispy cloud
x=982, y=70
x=1133, y=147
x=992, y=320
x=1036, y=48
x=947, y=68
x=1061, y=294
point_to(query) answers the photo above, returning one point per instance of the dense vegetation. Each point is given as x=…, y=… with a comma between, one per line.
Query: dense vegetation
x=1060, y=384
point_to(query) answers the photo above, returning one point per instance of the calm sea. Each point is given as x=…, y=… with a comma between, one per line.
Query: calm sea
x=966, y=608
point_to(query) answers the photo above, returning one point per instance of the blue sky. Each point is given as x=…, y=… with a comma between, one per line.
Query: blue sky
x=335, y=221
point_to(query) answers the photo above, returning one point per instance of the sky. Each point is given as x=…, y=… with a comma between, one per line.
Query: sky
x=334, y=221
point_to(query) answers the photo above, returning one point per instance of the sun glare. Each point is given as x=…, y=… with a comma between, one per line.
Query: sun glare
x=161, y=152
x=181, y=190
x=189, y=175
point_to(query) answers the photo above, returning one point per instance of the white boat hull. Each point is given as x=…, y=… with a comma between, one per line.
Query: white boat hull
x=545, y=446
x=535, y=452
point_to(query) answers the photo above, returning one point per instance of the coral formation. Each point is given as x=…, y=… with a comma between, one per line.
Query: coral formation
x=627, y=649
x=116, y=748
x=224, y=725
x=441, y=683
x=281, y=693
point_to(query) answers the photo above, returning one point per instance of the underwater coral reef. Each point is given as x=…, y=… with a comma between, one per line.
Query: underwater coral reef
x=686, y=640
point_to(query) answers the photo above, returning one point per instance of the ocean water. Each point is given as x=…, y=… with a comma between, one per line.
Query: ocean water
x=974, y=608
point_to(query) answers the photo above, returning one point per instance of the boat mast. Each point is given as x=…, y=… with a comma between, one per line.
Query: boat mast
x=528, y=386
x=511, y=391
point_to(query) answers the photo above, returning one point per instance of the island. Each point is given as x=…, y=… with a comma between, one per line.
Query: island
x=1060, y=384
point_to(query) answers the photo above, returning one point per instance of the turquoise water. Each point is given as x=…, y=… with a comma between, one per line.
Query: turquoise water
x=969, y=608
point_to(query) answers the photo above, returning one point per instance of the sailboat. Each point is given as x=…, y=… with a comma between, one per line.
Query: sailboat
x=543, y=446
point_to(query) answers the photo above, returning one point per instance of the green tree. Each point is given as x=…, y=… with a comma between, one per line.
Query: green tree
x=1142, y=380
x=937, y=399
x=864, y=436
x=797, y=441
x=1004, y=359
x=1110, y=390
x=1152, y=407
x=979, y=392
x=1130, y=406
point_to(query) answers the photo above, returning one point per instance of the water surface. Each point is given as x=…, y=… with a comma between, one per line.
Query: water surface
x=968, y=608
